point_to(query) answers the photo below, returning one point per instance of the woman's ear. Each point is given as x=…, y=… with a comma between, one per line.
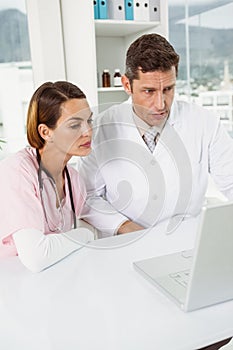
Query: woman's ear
x=126, y=84
x=45, y=132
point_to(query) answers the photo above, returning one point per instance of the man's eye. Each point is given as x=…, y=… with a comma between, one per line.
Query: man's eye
x=169, y=88
x=148, y=91
x=90, y=121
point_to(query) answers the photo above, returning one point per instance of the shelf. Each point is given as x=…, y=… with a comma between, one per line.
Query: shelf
x=110, y=89
x=107, y=27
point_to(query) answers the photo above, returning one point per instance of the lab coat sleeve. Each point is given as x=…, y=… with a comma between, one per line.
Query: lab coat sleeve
x=97, y=210
x=221, y=160
x=38, y=251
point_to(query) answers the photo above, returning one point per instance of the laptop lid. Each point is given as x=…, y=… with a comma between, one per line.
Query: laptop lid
x=210, y=269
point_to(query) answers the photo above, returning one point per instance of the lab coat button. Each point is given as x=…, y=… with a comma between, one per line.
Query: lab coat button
x=153, y=162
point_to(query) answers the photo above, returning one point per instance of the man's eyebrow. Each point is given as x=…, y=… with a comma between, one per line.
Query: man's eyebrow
x=153, y=88
x=148, y=88
x=169, y=86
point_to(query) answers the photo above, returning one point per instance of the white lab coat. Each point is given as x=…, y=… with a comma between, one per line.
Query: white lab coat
x=125, y=181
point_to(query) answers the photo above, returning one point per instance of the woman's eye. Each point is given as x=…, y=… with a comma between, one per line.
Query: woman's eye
x=75, y=126
x=90, y=121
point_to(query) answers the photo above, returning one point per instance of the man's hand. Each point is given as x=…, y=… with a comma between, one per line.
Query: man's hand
x=129, y=226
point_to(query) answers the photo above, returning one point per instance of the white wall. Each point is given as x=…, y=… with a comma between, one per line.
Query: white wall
x=46, y=40
x=62, y=42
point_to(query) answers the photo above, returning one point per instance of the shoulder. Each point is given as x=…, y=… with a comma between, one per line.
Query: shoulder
x=115, y=113
x=194, y=122
x=111, y=121
x=190, y=112
x=18, y=169
x=24, y=159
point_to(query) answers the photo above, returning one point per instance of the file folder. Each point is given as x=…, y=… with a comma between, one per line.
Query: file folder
x=154, y=10
x=145, y=13
x=129, y=10
x=103, y=9
x=141, y=10
x=137, y=10
x=96, y=11
x=116, y=9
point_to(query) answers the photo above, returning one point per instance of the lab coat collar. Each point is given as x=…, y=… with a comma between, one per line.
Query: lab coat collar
x=174, y=115
x=173, y=118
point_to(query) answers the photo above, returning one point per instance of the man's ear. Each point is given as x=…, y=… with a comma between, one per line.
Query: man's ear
x=44, y=132
x=126, y=84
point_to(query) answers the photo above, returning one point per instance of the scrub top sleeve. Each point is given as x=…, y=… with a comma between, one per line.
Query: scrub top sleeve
x=20, y=204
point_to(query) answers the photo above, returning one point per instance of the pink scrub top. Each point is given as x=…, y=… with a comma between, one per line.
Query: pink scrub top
x=21, y=205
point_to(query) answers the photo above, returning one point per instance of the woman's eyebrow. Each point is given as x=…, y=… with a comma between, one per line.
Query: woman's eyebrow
x=80, y=118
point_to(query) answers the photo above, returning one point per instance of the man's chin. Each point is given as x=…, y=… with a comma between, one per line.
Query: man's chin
x=154, y=121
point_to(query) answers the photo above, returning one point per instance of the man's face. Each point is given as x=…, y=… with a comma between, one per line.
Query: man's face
x=152, y=95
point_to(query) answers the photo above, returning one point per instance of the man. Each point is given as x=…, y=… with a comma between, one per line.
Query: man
x=151, y=158
x=131, y=186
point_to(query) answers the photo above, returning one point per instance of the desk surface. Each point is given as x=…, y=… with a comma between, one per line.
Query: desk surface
x=95, y=300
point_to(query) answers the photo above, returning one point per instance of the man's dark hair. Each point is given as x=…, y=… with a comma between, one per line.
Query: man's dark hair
x=150, y=52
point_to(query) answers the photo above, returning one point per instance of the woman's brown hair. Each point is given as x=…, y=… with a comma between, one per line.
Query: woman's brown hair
x=45, y=107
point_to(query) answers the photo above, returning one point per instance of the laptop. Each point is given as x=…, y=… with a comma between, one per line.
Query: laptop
x=203, y=276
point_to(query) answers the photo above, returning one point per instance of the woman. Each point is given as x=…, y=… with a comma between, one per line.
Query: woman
x=42, y=196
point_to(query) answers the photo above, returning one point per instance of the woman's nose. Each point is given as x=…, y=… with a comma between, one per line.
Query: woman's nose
x=86, y=130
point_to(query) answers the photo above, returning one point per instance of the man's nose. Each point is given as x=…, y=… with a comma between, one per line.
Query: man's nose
x=159, y=100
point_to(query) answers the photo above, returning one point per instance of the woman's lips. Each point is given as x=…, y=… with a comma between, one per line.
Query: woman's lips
x=86, y=145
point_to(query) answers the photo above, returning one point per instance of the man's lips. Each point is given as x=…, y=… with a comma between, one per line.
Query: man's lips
x=159, y=115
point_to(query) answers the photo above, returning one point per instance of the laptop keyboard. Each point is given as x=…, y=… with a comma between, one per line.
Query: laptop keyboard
x=180, y=277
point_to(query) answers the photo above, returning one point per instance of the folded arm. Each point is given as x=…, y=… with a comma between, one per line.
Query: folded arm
x=38, y=251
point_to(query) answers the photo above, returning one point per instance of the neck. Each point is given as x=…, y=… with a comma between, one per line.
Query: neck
x=53, y=162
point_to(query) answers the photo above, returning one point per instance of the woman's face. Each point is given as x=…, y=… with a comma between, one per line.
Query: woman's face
x=72, y=135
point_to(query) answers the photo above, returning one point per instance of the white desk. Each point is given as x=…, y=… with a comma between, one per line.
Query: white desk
x=95, y=300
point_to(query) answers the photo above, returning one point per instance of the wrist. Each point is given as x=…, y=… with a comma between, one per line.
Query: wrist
x=123, y=227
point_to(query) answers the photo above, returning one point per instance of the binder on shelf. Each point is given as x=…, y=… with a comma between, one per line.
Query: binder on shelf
x=141, y=10
x=103, y=9
x=116, y=9
x=145, y=10
x=129, y=10
x=154, y=10
x=137, y=10
x=96, y=10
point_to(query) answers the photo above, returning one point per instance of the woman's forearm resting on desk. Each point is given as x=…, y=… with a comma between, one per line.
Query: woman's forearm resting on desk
x=38, y=251
x=129, y=226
